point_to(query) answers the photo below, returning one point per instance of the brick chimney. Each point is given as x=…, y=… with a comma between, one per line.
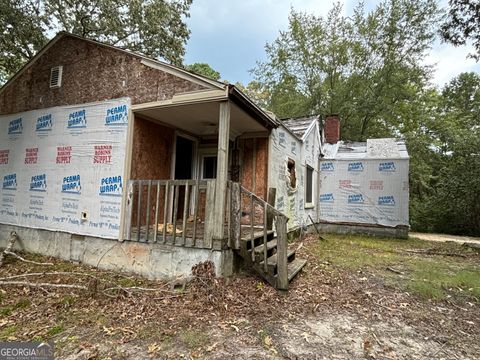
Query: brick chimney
x=332, y=128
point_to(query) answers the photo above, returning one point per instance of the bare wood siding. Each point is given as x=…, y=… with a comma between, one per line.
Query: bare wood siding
x=91, y=73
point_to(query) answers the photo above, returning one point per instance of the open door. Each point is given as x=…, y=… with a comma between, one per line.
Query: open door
x=184, y=166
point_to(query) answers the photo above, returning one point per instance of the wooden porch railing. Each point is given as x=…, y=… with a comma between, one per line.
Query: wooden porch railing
x=175, y=212
x=259, y=217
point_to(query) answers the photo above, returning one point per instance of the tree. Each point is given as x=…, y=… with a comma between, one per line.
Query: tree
x=204, y=69
x=154, y=27
x=463, y=24
x=365, y=67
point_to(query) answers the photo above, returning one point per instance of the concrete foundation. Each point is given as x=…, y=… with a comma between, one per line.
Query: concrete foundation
x=400, y=232
x=154, y=261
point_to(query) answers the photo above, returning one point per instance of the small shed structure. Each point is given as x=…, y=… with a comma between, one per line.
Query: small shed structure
x=365, y=184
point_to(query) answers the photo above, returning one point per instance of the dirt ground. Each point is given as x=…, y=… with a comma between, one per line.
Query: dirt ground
x=445, y=238
x=346, y=304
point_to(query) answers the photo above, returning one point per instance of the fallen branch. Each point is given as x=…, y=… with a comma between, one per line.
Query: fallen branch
x=433, y=252
x=394, y=271
x=25, y=260
x=43, y=285
x=48, y=274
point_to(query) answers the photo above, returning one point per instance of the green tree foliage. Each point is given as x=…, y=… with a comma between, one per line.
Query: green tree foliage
x=204, y=69
x=364, y=67
x=463, y=24
x=152, y=27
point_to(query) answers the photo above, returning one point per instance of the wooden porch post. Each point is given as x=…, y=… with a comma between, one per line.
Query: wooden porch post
x=222, y=171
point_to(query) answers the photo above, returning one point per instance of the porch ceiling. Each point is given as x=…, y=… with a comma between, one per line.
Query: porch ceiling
x=201, y=119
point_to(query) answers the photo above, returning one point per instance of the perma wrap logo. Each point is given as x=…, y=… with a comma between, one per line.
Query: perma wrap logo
x=117, y=115
x=355, y=199
x=77, y=119
x=15, y=127
x=355, y=166
x=388, y=200
x=10, y=182
x=44, y=123
x=71, y=184
x=327, y=166
x=111, y=186
x=38, y=183
x=326, y=198
x=386, y=167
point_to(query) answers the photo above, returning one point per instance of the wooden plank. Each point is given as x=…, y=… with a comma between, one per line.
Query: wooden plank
x=222, y=171
x=228, y=211
x=282, y=266
x=139, y=209
x=265, y=234
x=147, y=212
x=252, y=235
x=185, y=211
x=157, y=205
x=175, y=212
x=235, y=215
x=272, y=193
x=209, y=218
x=129, y=211
x=195, y=211
x=165, y=212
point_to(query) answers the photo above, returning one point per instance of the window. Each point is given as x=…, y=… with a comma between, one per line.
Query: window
x=309, y=187
x=209, y=167
x=56, y=77
x=292, y=178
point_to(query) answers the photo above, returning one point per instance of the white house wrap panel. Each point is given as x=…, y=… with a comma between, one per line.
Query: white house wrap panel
x=62, y=168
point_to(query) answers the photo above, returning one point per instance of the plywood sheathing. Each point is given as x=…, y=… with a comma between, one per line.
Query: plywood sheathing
x=91, y=72
x=151, y=160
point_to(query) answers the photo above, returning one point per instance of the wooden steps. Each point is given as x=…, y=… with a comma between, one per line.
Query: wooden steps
x=294, y=265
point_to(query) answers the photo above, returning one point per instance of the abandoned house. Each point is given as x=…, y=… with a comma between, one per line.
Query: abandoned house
x=119, y=161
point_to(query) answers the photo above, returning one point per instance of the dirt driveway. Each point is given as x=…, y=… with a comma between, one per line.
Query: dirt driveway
x=445, y=238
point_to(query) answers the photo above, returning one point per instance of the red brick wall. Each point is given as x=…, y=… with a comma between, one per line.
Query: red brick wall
x=91, y=72
x=332, y=129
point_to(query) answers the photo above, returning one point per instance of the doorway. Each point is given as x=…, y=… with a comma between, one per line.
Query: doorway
x=185, y=152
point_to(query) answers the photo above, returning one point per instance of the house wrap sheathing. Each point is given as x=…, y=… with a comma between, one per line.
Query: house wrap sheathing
x=365, y=183
x=295, y=145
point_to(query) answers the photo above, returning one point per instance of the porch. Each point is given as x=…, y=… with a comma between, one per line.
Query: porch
x=198, y=179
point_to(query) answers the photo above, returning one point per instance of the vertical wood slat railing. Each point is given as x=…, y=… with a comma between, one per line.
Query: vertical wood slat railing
x=261, y=216
x=152, y=201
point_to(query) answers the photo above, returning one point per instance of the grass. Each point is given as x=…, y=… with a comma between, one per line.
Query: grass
x=8, y=332
x=427, y=276
x=194, y=339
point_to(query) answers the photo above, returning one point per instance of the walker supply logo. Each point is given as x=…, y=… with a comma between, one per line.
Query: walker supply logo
x=376, y=184
x=77, y=120
x=31, y=156
x=10, y=182
x=15, y=127
x=326, y=198
x=4, y=157
x=26, y=351
x=327, y=166
x=64, y=154
x=38, y=183
x=71, y=184
x=387, y=167
x=44, y=123
x=117, y=115
x=388, y=200
x=355, y=166
x=103, y=154
x=355, y=199
x=111, y=186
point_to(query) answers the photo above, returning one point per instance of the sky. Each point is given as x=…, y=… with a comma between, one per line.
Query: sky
x=230, y=35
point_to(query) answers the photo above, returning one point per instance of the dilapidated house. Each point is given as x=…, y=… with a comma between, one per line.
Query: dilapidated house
x=116, y=160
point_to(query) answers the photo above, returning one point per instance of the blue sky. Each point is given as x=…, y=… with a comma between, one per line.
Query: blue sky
x=230, y=35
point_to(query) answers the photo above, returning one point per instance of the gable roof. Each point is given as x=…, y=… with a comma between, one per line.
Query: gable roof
x=301, y=126
x=147, y=61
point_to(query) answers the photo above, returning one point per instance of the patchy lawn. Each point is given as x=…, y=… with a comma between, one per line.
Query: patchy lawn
x=358, y=297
